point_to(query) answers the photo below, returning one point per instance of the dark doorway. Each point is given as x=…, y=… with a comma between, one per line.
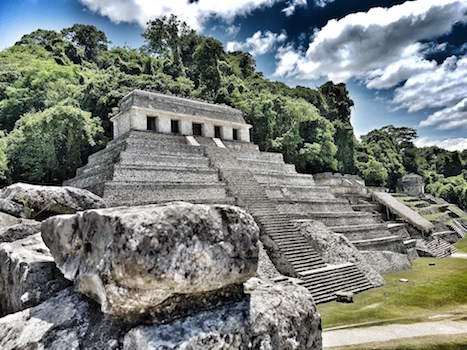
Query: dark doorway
x=197, y=129
x=235, y=134
x=174, y=126
x=151, y=123
x=217, y=132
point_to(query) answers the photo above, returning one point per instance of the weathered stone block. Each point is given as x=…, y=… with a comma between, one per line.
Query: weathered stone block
x=34, y=201
x=137, y=260
x=28, y=274
x=275, y=317
x=20, y=230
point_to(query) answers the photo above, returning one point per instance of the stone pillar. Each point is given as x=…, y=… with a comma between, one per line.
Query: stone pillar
x=208, y=130
x=163, y=125
x=186, y=127
x=138, y=120
x=227, y=133
x=244, y=134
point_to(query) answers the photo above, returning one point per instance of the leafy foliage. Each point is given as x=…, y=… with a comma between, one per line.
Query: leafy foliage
x=46, y=147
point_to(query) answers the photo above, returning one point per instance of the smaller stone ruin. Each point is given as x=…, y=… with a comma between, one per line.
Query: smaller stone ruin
x=411, y=184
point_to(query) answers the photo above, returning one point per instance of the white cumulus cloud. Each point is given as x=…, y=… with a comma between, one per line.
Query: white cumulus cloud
x=323, y=3
x=195, y=13
x=364, y=44
x=387, y=47
x=292, y=5
x=258, y=44
x=453, y=144
x=449, y=117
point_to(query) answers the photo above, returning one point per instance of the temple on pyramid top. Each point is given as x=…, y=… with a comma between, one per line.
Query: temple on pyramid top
x=165, y=114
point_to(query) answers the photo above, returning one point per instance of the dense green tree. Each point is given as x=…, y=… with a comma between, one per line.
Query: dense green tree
x=205, y=62
x=48, y=146
x=173, y=40
x=88, y=38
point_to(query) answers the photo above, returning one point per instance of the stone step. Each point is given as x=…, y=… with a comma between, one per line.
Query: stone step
x=254, y=164
x=162, y=148
x=284, y=179
x=136, y=193
x=136, y=158
x=390, y=243
x=439, y=248
x=164, y=174
x=344, y=218
x=310, y=206
x=261, y=156
x=361, y=232
x=325, y=282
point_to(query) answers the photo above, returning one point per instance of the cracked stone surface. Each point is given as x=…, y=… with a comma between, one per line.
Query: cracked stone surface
x=155, y=259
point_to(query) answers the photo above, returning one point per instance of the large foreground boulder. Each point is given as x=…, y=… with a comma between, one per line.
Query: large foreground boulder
x=272, y=317
x=32, y=201
x=28, y=274
x=157, y=259
x=275, y=317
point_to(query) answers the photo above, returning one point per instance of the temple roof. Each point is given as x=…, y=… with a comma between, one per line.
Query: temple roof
x=157, y=101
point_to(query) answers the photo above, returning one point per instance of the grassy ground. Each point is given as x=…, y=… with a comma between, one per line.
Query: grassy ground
x=450, y=342
x=431, y=290
x=461, y=246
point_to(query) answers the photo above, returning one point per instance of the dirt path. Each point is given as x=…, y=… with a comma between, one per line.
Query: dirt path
x=354, y=336
x=459, y=255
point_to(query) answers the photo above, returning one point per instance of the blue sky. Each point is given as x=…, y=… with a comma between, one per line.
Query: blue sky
x=405, y=63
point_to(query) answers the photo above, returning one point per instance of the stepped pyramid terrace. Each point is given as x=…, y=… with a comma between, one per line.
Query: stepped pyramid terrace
x=167, y=148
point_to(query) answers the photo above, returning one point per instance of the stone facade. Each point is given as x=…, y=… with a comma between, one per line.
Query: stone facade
x=141, y=110
x=411, y=184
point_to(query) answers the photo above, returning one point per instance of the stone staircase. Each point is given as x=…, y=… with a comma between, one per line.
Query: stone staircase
x=439, y=248
x=347, y=277
x=323, y=281
x=458, y=228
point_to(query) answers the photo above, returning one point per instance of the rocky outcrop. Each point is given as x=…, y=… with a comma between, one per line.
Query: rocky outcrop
x=156, y=259
x=266, y=269
x=387, y=261
x=8, y=220
x=337, y=249
x=65, y=321
x=32, y=201
x=272, y=317
x=28, y=274
x=19, y=231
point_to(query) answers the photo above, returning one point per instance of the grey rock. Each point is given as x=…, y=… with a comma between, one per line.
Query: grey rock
x=32, y=201
x=337, y=249
x=28, y=274
x=8, y=220
x=12, y=208
x=386, y=261
x=266, y=269
x=275, y=317
x=65, y=321
x=20, y=230
x=155, y=259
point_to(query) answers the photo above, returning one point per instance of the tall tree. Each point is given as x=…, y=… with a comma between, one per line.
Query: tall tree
x=88, y=38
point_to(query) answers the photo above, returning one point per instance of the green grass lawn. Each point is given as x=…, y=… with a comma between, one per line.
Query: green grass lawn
x=461, y=246
x=431, y=290
x=447, y=342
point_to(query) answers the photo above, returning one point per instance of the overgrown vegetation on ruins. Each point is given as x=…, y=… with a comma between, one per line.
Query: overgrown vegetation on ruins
x=58, y=91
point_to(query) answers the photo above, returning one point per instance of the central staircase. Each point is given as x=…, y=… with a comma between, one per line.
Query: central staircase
x=322, y=280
